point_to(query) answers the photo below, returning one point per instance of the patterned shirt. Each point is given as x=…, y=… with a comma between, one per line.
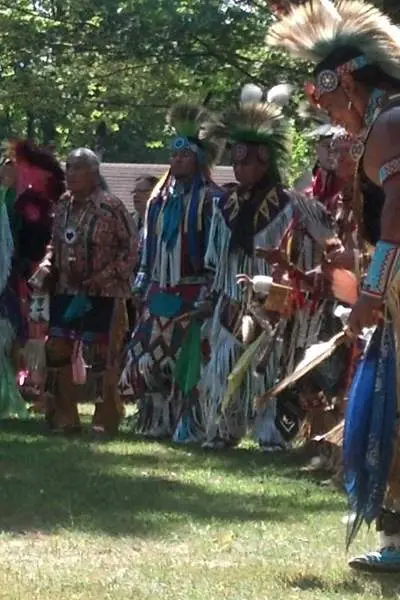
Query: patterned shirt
x=96, y=239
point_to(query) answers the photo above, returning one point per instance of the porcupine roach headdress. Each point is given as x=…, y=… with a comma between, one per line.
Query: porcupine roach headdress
x=196, y=129
x=338, y=38
x=39, y=184
x=257, y=126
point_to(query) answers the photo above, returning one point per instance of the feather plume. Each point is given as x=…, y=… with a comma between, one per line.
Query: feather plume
x=187, y=119
x=319, y=27
x=37, y=168
x=316, y=118
x=251, y=93
x=309, y=112
x=280, y=94
x=197, y=123
x=259, y=123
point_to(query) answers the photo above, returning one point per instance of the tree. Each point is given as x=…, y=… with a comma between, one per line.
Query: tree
x=104, y=73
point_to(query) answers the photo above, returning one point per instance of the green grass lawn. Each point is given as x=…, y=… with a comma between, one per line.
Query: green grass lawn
x=135, y=520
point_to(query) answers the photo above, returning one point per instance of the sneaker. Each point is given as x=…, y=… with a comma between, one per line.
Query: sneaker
x=386, y=560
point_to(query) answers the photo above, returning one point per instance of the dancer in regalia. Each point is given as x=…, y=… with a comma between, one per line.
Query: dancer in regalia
x=87, y=271
x=164, y=356
x=356, y=50
x=259, y=212
x=32, y=181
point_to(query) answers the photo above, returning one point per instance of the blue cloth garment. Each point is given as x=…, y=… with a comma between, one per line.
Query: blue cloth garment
x=172, y=218
x=163, y=304
x=77, y=308
x=174, y=211
x=370, y=430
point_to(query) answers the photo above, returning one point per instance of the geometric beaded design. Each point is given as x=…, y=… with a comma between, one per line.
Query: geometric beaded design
x=328, y=79
x=392, y=167
x=384, y=266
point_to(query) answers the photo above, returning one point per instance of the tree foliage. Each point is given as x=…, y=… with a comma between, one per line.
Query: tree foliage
x=103, y=73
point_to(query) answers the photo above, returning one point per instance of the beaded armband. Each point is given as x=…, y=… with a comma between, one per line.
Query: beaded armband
x=384, y=265
x=392, y=167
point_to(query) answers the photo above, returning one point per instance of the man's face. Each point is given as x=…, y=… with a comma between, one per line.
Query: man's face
x=81, y=176
x=141, y=195
x=249, y=171
x=183, y=164
x=337, y=105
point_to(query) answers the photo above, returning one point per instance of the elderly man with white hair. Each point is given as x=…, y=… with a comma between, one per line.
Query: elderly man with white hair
x=89, y=263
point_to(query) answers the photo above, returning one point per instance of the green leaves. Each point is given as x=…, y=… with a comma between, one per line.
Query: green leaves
x=70, y=64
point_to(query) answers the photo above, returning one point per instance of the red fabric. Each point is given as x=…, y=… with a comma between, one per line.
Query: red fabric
x=326, y=187
x=29, y=176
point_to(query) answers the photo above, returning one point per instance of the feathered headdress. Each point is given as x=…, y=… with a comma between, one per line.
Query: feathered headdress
x=259, y=125
x=339, y=38
x=39, y=183
x=36, y=169
x=196, y=129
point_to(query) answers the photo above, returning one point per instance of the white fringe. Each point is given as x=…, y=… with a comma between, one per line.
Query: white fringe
x=225, y=352
x=34, y=354
x=227, y=265
x=167, y=265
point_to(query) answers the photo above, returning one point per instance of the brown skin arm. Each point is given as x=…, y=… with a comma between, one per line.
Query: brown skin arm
x=383, y=145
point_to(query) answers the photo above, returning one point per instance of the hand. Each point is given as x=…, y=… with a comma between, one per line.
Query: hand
x=244, y=280
x=366, y=313
x=339, y=259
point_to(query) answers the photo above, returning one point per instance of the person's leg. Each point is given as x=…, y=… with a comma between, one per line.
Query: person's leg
x=387, y=558
x=109, y=408
x=61, y=411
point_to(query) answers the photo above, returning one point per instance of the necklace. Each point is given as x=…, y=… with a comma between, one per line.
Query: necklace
x=71, y=231
x=374, y=106
x=375, y=103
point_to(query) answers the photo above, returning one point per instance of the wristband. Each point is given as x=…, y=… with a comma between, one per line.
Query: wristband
x=389, y=169
x=385, y=263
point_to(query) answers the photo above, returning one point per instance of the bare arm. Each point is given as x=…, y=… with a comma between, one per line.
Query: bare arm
x=383, y=146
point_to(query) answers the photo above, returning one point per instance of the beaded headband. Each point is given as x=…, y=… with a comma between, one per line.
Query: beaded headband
x=328, y=80
x=182, y=143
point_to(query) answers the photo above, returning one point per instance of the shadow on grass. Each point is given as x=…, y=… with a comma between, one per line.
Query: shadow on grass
x=315, y=583
x=49, y=484
x=389, y=585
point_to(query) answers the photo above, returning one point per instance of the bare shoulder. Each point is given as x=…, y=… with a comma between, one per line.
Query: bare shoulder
x=383, y=143
x=387, y=127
